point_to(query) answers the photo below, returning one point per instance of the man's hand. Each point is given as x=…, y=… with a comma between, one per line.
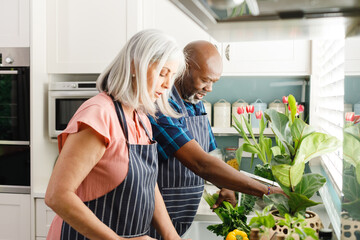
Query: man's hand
x=225, y=195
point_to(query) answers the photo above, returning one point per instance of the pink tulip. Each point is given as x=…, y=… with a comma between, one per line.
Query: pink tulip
x=285, y=99
x=240, y=110
x=356, y=119
x=250, y=108
x=350, y=116
x=258, y=114
x=289, y=108
x=300, y=108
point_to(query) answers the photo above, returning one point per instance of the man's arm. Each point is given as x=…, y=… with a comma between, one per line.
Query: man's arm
x=218, y=172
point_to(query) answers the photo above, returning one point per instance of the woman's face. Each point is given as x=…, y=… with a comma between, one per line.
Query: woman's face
x=161, y=80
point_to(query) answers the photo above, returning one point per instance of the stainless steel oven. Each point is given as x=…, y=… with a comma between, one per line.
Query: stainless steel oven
x=64, y=99
x=15, y=120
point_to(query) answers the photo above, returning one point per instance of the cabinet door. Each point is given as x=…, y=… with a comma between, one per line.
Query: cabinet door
x=14, y=23
x=352, y=56
x=163, y=15
x=84, y=36
x=15, y=216
x=267, y=58
x=44, y=216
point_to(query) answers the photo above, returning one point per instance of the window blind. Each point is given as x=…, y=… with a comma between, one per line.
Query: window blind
x=327, y=98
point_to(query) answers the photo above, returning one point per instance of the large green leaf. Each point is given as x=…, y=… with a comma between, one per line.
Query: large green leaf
x=298, y=203
x=309, y=184
x=315, y=145
x=288, y=175
x=300, y=130
x=351, y=149
x=280, y=202
x=354, y=130
x=279, y=123
x=351, y=190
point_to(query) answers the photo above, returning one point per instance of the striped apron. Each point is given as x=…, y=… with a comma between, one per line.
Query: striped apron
x=182, y=189
x=129, y=208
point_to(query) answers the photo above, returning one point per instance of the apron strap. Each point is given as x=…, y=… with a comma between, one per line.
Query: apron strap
x=143, y=125
x=176, y=95
x=121, y=115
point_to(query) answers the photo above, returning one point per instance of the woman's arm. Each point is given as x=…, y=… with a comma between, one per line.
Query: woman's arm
x=80, y=153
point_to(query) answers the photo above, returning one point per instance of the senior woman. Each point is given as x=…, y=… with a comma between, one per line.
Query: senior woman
x=103, y=185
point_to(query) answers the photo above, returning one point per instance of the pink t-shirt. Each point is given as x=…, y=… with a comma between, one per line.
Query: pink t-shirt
x=99, y=113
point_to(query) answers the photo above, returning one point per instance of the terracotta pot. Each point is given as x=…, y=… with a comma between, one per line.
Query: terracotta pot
x=350, y=228
x=311, y=218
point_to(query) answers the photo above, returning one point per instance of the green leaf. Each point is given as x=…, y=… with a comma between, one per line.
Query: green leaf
x=238, y=126
x=288, y=175
x=250, y=148
x=276, y=150
x=310, y=184
x=354, y=131
x=281, y=159
x=300, y=130
x=298, y=203
x=279, y=123
x=239, y=155
x=280, y=202
x=315, y=145
x=293, y=109
x=351, y=149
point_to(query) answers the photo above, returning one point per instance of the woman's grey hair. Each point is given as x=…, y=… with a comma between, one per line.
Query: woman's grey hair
x=141, y=51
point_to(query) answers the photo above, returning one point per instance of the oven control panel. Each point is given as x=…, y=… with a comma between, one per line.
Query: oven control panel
x=76, y=86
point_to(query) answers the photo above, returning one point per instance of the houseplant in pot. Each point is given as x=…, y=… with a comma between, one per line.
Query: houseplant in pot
x=296, y=143
x=350, y=217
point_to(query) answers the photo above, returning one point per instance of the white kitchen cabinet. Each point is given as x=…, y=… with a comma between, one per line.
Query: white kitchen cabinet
x=85, y=36
x=163, y=15
x=14, y=23
x=352, y=56
x=15, y=216
x=267, y=58
x=44, y=216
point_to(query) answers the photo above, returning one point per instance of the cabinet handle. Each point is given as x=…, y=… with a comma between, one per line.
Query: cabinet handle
x=227, y=50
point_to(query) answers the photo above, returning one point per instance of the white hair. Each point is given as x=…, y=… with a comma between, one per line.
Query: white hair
x=139, y=53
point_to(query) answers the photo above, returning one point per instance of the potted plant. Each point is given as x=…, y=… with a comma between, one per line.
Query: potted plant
x=351, y=178
x=296, y=143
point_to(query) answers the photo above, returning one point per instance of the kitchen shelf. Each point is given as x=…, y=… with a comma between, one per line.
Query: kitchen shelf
x=232, y=132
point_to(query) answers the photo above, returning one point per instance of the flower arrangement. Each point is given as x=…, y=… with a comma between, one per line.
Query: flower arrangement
x=295, y=144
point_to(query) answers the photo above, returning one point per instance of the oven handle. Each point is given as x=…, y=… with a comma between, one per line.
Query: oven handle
x=14, y=142
x=9, y=72
x=14, y=189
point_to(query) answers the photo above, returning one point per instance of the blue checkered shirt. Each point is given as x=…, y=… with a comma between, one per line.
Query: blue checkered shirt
x=172, y=133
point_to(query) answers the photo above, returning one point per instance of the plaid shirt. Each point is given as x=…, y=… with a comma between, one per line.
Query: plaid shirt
x=172, y=133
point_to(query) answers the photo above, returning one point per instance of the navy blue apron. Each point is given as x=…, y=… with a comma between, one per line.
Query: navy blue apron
x=129, y=208
x=180, y=187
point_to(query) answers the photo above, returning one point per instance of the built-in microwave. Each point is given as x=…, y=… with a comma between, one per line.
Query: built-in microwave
x=64, y=99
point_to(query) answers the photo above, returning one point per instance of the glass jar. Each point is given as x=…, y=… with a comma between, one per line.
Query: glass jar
x=230, y=157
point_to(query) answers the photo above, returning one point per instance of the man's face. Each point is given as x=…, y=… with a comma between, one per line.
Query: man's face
x=198, y=82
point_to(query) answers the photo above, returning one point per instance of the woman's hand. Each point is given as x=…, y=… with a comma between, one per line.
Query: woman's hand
x=277, y=190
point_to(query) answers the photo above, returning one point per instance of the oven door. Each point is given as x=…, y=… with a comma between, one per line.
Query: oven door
x=14, y=104
x=62, y=106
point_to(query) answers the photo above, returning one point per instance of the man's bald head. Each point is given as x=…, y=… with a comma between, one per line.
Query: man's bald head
x=203, y=54
x=204, y=68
